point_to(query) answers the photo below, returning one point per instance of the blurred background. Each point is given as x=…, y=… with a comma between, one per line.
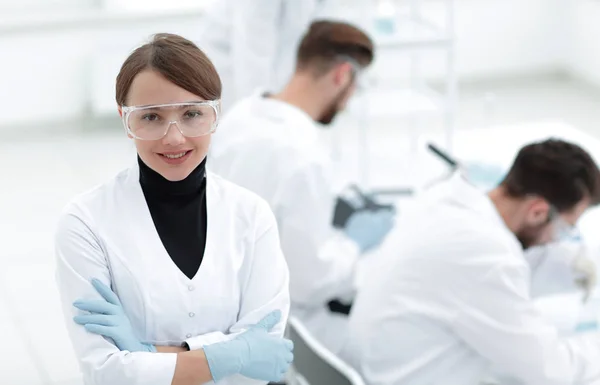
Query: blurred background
x=479, y=78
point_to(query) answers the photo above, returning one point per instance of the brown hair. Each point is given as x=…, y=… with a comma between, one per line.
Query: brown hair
x=560, y=172
x=324, y=43
x=177, y=59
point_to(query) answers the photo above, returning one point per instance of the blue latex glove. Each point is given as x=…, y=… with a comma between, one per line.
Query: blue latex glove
x=254, y=354
x=109, y=320
x=369, y=228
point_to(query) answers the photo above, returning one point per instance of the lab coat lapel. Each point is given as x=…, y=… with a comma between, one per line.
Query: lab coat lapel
x=143, y=231
x=215, y=218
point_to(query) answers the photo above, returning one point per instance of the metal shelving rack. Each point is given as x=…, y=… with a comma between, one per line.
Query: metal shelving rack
x=413, y=32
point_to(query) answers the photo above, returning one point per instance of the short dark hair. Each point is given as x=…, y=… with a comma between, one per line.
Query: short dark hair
x=326, y=42
x=177, y=59
x=560, y=172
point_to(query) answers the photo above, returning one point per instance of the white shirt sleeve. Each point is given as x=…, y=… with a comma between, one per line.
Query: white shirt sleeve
x=497, y=318
x=79, y=258
x=322, y=263
x=265, y=284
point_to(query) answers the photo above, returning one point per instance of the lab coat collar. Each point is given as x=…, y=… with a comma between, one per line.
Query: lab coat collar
x=465, y=194
x=282, y=112
x=136, y=207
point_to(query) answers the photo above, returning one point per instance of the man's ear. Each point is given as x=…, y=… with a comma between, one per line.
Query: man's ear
x=343, y=74
x=538, y=211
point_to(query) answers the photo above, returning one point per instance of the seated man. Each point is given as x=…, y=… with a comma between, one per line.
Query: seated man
x=455, y=300
x=270, y=146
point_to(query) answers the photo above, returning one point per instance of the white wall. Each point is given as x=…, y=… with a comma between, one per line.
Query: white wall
x=14, y=10
x=506, y=37
x=46, y=72
x=33, y=5
x=584, y=50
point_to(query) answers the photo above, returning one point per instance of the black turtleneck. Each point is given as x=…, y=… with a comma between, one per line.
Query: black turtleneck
x=178, y=210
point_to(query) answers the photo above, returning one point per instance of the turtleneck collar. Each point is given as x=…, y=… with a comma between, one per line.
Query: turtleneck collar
x=155, y=184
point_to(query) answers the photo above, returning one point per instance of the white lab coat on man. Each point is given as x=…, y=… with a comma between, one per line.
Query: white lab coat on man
x=253, y=43
x=108, y=233
x=273, y=149
x=454, y=302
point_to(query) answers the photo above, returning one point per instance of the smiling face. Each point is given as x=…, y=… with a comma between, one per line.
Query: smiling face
x=174, y=156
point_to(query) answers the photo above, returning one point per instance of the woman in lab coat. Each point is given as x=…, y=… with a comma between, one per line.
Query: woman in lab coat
x=180, y=269
x=454, y=301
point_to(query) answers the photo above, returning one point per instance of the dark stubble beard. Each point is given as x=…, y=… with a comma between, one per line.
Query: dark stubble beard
x=529, y=236
x=333, y=109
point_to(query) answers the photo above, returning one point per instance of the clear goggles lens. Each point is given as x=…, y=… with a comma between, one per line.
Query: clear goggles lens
x=153, y=122
x=561, y=229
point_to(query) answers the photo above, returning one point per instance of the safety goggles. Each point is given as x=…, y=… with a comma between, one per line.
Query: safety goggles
x=152, y=122
x=561, y=229
x=358, y=77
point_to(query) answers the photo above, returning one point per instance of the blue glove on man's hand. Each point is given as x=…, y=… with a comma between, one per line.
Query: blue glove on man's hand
x=254, y=354
x=369, y=228
x=109, y=320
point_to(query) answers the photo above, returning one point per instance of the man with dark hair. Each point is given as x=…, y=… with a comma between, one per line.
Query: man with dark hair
x=269, y=144
x=330, y=58
x=557, y=179
x=560, y=265
x=454, y=299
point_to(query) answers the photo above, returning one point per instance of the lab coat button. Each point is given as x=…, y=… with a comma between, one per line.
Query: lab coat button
x=191, y=288
x=188, y=336
x=192, y=314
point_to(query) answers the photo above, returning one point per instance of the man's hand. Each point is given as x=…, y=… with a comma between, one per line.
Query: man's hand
x=585, y=271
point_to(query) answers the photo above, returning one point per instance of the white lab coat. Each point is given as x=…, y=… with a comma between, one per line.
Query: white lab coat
x=454, y=301
x=253, y=43
x=272, y=148
x=108, y=233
